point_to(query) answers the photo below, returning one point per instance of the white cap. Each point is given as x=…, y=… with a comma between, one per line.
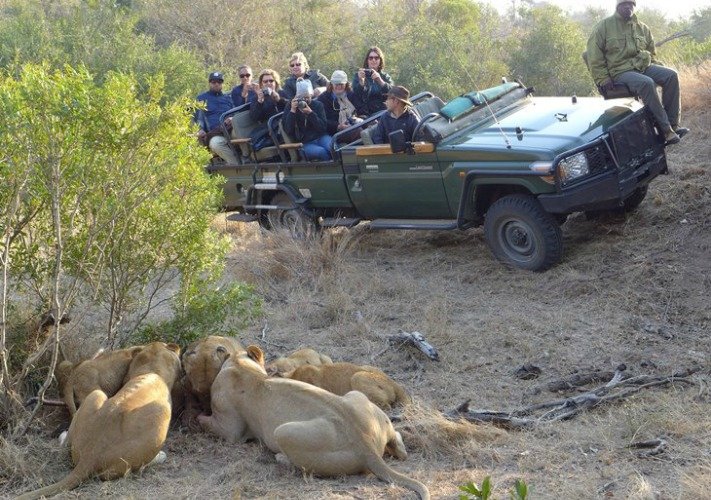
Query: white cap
x=304, y=88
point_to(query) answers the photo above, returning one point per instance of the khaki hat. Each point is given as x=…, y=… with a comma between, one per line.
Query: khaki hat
x=401, y=94
x=339, y=76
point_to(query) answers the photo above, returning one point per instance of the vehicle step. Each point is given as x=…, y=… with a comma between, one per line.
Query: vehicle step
x=414, y=224
x=339, y=222
x=242, y=217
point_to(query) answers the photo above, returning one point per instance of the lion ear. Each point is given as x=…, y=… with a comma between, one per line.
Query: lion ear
x=256, y=354
x=174, y=347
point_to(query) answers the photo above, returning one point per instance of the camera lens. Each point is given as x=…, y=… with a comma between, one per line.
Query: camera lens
x=302, y=104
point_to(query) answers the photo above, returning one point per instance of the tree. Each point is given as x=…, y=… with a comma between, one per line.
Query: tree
x=549, y=55
x=106, y=197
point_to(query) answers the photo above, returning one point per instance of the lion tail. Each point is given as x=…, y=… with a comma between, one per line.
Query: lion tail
x=74, y=479
x=386, y=473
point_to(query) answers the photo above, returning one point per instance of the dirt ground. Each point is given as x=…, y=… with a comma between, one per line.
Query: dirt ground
x=633, y=291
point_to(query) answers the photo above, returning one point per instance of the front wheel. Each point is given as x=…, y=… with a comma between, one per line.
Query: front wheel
x=522, y=234
x=294, y=220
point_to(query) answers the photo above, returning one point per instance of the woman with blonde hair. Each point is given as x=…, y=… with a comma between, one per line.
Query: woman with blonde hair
x=299, y=69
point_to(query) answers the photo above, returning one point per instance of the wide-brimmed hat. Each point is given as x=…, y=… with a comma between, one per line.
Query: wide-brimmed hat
x=338, y=77
x=215, y=76
x=401, y=94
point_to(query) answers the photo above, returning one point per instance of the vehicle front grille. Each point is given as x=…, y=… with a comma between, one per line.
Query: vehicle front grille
x=599, y=159
x=635, y=141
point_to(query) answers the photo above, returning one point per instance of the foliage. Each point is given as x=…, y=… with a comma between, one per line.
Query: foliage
x=134, y=205
x=96, y=35
x=208, y=312
x=549, y=56
x=519, y=491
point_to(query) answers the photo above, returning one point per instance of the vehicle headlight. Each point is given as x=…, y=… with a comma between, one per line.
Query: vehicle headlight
x=573, y=167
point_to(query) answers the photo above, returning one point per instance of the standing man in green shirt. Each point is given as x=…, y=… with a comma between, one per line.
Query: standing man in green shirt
x=621, y=50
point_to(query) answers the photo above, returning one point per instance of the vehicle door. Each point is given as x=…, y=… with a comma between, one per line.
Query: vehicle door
x=397, y=185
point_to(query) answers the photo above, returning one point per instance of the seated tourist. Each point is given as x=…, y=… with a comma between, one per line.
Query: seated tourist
x=305, y=122
x=210, y=133
x=342, y=107
x=245, y=91
x=399, y=116
x=299, y=68
x=371, y=84
x=268, y=103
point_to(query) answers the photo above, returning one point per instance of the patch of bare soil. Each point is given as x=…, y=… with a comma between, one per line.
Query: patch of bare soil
x=633, y=291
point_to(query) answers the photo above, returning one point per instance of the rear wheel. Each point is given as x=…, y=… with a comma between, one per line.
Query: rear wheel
x=293, y=220
x=522, y=234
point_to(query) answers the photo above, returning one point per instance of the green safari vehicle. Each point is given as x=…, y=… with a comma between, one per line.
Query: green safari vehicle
x=501, y=158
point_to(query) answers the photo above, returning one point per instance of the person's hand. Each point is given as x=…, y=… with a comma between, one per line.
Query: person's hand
x=260, y=95
x=607, y=85
x=228, y=120
x=375, y=76
x=306, y=109
x=361, y=75
x=342, y=126
x=201, y=134
x=294, y=105
x=317, y=91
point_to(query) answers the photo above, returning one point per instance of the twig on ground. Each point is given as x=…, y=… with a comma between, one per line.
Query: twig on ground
x=658, y=447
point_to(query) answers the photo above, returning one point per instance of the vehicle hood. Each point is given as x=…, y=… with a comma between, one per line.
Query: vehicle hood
x=554, y=124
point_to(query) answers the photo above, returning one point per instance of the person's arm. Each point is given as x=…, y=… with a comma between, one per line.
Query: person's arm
x=412, y=122
x=649, y=39
x=289, y=90
x=317, y=118
x=289, y=119
x=378, y=134
x=597, y=62
x=384, y=82
x=331, y=114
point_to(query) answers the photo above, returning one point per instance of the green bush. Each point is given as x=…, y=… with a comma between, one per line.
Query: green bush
x=214, y=311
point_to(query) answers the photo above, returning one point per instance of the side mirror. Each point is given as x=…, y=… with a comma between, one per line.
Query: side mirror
x=397, y=141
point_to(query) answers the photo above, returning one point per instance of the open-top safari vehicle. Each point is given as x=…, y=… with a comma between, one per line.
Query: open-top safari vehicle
x=516, y=163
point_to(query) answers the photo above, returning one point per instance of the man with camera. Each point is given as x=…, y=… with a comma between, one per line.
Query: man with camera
x=305, y=122
x=210, y=133
x=621, y=50
x=399, y=116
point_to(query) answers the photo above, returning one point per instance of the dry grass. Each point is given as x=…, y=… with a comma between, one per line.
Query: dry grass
x=635, y=291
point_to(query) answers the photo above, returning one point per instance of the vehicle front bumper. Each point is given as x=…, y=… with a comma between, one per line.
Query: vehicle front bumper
x=605, y=191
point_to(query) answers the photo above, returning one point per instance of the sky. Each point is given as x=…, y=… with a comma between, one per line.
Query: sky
x=672, y=9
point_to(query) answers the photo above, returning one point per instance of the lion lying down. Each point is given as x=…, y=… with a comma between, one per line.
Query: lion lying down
x=112, y=436
x=302, y=357
x=317, y=431
x=340, y=378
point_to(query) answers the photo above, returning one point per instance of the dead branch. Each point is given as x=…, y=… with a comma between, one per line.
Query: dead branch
x=564, y=409
x=416, y=340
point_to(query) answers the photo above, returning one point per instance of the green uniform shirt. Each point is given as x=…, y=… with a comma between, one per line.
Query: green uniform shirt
x=617, y=45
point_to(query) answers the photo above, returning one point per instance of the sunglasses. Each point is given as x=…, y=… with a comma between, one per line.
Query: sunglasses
x=267, y=81
x=374, y=58
x=246, y=75
x=291, y=65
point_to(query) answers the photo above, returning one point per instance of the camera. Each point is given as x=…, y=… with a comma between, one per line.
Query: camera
x=267, y=91
x=368, y=72
x=301, y=103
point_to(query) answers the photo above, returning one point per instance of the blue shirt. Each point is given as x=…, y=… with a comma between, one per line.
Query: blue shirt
x=216, y=103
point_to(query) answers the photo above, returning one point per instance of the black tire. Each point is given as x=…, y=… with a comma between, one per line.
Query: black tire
x=631, y=204
x=635, y=199
x=522, y=234
x=294, y=220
